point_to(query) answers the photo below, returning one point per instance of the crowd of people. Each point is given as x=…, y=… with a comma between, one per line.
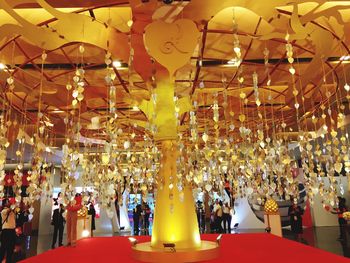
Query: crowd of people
x=214, y=218
x=218, y=221
x=141, y=218
x=295, y=213
x=221, y=217
x=68, y=216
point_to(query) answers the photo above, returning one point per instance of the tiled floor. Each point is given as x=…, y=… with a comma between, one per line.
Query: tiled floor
x=321, y=237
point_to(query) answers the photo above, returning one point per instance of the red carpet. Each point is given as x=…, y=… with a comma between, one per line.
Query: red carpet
x=234, y=248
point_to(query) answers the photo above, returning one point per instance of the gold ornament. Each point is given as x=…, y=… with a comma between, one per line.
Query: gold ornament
x=271, y=207
x=82, y=212
x=346, y=215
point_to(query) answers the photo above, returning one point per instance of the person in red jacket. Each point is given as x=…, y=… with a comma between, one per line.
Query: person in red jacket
x=71, y=221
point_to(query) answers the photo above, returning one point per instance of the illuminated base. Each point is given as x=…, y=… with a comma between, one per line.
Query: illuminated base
x=144, y=252
x=274, y=222
x=83, y=227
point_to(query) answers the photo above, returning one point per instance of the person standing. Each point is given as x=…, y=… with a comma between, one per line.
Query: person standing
x=342, y=222
x=116, y=204
x=147, y=215
x=218, y=216
x=8, y=233
x=92, y=212
x=136, y=218
x=72, y=219
x=199, y=212
x=226, y=217
x=58, y=224
x=295, y=213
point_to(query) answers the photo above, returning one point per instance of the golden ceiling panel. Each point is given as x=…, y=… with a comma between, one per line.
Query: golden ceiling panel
x=108, y=27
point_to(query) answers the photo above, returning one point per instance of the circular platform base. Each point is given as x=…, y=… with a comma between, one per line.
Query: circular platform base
x=144, y=252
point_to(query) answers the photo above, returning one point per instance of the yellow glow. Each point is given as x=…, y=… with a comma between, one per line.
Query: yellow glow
x=2, y=66
x=340, y=61
x=234, y=62
x=129, y=23
x=197, y=238
x=58, y=111
x=105, y=158
x=85, y=233
x=175, y=221
x=117, y=64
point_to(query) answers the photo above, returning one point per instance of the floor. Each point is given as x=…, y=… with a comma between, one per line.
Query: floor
x=247, y=248
x=321, y=237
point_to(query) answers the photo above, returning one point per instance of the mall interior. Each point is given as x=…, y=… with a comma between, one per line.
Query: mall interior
x=174, y=131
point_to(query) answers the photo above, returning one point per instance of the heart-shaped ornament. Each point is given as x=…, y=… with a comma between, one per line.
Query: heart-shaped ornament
x=338, y=167
x=208, y=187
x=173, y=44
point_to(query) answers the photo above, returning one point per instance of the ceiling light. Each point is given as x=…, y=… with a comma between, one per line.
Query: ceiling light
x=117, y=64
x=234, y=62
x=237, y=50
x=344, y=58
x=347, y=87
x=58, y=111
x=2, y=66
x=135, y=108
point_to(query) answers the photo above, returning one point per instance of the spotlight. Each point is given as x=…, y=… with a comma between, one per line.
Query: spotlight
x=234, y=62
x=268, y=229
x=167, y=2
x=2, y=66
x=85, y=233
x=218, y=240
x=133, y=241
x=117, y=64
x=344, y=58
x=171, y=246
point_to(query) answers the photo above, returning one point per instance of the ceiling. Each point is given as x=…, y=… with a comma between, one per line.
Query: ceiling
x=316, y=31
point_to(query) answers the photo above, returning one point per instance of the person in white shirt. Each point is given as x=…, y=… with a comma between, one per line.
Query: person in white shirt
x=8, y=233
x=218, y=216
